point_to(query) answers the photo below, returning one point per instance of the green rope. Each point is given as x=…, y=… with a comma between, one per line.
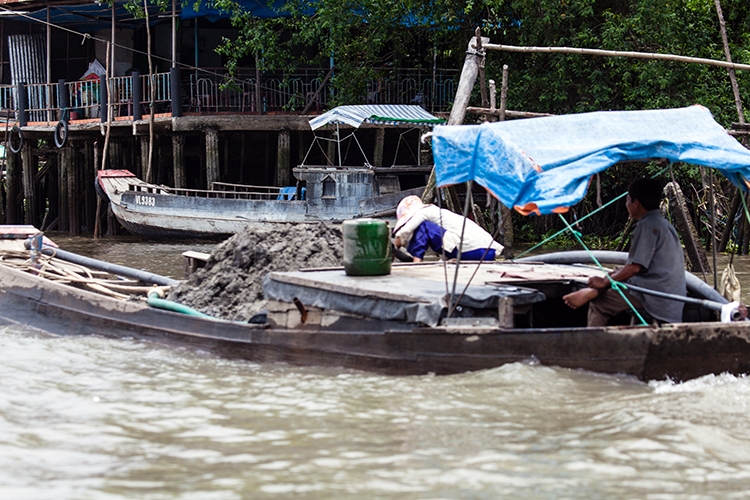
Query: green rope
x=561, y=231
x=615, y=285
x=744, y=205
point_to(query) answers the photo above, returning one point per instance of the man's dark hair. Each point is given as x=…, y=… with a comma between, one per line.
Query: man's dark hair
x=647, y=191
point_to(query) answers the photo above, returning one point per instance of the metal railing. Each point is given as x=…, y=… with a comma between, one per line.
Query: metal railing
x=84, y=99
x=308, y=89
x=433, y=90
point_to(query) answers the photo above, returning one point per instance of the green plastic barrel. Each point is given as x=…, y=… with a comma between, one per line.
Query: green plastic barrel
x=367, y=247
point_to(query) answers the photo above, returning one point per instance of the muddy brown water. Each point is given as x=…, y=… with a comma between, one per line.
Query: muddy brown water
x=98, y=418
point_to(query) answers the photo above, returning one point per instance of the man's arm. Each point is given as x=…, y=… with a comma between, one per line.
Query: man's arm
x=622, y=274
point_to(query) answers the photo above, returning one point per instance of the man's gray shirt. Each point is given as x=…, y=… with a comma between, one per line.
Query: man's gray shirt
x=656, y=247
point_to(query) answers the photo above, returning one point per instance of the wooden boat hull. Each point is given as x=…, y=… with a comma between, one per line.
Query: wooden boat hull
x=680, y=352
x=155, y=211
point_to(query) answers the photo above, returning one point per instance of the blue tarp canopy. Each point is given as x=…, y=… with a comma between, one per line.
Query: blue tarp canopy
x=544, y=165
x=382, y=114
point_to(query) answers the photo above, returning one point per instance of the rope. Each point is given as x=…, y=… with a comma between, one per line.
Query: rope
x=616, y=285
x=561, y=231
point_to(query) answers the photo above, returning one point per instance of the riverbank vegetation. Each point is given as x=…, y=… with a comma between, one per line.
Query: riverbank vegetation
x=366, y=41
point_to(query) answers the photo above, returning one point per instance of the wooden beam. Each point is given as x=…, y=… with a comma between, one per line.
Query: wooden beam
x=508, y=113
x=614, y=53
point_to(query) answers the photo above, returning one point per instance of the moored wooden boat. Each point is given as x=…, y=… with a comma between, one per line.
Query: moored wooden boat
x=512, y=312
x=319, y=193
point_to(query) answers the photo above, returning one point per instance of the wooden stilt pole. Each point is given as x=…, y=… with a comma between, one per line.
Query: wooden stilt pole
x=67, y=157
x=178, y=161
x=89, y=177
x=29, y=188
x=283, y=159
x=377, y=154
x=12, y=181
x=98, y=216
x=212, y=157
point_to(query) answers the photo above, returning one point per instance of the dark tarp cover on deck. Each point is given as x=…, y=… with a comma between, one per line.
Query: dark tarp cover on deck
x=544, y=165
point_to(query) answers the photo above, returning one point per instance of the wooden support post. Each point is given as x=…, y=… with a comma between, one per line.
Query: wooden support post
x=461, y=102
x=63, y=203
x=12, y=182
x=145, y=147
x=174, y=79
x=377, y=154
x=225, y=172
x=178, y=161
x=504, y=93
x=89, y=176
x=685, y=228
x=268, y=171
x=114, y=155
x=302, y=150
x=67, y=164
x=331, y=150
x=243, y=157
x=212, y=157
x=29, y=187
x=283, y=159
x=425, y=151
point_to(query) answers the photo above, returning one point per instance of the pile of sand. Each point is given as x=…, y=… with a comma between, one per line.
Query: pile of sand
x=231, y=284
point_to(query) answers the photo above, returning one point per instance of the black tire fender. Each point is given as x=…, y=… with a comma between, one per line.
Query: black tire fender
x=100, y=190
x=16, y=130
x=61, y=133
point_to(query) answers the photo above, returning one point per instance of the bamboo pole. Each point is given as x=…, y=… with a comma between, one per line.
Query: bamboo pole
x=503, y=94
x=149, y=174
x=728, y=53
x=614, y=53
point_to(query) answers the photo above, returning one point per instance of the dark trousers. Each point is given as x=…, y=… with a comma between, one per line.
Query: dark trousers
x=608, y=304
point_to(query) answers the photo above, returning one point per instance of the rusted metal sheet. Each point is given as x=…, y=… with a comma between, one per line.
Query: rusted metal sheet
x=28, y=56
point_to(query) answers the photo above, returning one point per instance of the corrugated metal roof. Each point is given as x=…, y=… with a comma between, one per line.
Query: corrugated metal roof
x=382, y=114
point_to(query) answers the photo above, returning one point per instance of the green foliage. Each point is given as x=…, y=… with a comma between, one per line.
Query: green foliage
x=368, y=38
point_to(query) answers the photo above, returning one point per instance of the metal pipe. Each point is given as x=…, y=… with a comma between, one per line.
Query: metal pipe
x=710, y=304
x=101, y=265
x=694, y=284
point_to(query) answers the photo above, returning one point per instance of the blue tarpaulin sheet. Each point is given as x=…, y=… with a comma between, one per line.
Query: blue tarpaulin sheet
x=544, y=165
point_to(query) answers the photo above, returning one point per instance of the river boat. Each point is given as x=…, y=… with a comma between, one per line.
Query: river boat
x=321, y=192
x=508, y=312
x=449, y=317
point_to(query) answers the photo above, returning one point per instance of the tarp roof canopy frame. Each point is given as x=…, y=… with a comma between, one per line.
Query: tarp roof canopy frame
x=393, y=115
x=544, y=165
x=381, y=114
